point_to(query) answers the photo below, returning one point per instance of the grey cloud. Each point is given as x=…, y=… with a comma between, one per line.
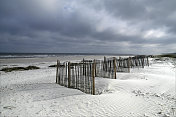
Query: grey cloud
x=71, y=26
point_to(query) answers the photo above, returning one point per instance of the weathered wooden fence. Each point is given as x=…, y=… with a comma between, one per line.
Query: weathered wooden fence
x=77, y=75
x=82, y=75
x=108, y=67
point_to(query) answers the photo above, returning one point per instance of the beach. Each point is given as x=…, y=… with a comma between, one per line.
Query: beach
x=148, y=91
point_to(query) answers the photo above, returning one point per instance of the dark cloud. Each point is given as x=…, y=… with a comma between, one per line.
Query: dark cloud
x=115, y=26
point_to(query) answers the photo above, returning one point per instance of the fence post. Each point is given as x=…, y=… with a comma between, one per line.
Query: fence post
x=83, y=67
x=147, y=61
x=104, y=66
x=93, y=78
x=143, y=62
x=57, y=71
x=129, y=65
x=95, y=67
x=115, y=68
x=69, y=74
x=76, y=73
x=120, y=67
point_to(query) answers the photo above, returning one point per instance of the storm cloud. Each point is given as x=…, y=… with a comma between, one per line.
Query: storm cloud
x=93, y=26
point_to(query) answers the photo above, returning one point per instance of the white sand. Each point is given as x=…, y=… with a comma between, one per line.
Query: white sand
x=143, y=92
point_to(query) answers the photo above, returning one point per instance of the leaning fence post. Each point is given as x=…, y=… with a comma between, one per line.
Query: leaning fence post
x=115, y=68
x=93, y=78
x=57, y=71
x=69, y=75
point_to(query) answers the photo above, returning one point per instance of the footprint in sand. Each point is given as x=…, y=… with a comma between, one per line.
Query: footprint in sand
x=9, y=107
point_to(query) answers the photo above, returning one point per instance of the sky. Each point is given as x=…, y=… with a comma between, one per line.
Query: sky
x=88, y=26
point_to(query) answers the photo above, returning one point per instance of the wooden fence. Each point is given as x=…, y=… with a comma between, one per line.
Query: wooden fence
x=77, y=75
x=108, y=67
x=82, y=75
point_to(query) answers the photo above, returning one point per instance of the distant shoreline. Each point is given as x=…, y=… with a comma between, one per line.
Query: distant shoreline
x=44, y=55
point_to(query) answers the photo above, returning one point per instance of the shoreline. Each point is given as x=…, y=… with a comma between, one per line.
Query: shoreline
x=52, y=59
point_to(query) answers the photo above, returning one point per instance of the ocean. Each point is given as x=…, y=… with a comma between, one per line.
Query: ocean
x=45, y=55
